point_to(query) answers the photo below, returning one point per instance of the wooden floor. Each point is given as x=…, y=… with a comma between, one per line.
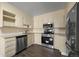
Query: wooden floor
x=39, y=51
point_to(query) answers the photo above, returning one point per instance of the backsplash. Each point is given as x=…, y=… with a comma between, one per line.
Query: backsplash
x=12, y=30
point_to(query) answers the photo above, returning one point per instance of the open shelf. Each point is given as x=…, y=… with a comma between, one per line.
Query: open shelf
x=8, y=13
x=8, y=19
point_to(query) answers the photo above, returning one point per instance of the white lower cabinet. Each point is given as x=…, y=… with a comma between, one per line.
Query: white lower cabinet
x=30, y=40
x=10, y=46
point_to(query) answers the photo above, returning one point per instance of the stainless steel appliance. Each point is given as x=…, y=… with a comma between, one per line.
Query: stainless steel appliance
x=72, y=31
x=48, y=35
x=21, y=43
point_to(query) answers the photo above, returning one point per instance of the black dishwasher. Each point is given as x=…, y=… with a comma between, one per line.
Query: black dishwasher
x=21, y=43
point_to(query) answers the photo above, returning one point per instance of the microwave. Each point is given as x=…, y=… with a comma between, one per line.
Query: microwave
x=47, y=25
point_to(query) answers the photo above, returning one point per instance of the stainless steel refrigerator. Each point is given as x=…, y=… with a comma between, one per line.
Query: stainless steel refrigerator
x=72, y=31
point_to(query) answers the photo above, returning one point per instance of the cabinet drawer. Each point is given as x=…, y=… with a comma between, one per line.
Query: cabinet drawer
x=9, y=49
x=9, y=39
x=11, y=44
x=9, y=54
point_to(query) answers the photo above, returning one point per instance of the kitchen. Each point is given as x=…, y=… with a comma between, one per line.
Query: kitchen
x=19, y=29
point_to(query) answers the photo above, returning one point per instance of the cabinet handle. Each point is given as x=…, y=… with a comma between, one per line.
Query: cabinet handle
x=47, y=41
x=51, y=39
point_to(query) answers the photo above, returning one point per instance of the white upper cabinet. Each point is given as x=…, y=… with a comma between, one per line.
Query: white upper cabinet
x=13, y=17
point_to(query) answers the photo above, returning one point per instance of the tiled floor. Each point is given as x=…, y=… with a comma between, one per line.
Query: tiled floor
x=39, y=51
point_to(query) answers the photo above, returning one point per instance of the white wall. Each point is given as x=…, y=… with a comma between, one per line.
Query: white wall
x=69, y=6
x=59, y=20
x=56, y=17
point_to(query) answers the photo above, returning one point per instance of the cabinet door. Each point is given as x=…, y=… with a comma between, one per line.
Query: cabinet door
x=24, y=22
x=27, y=20
x=19, y=20
x=30, y=39
x=10, y=46
x=60, y=22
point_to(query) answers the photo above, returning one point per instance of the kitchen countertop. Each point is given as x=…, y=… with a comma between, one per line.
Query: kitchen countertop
x=4, y=35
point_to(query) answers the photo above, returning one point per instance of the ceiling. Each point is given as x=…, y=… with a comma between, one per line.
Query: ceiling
x=37, y=8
